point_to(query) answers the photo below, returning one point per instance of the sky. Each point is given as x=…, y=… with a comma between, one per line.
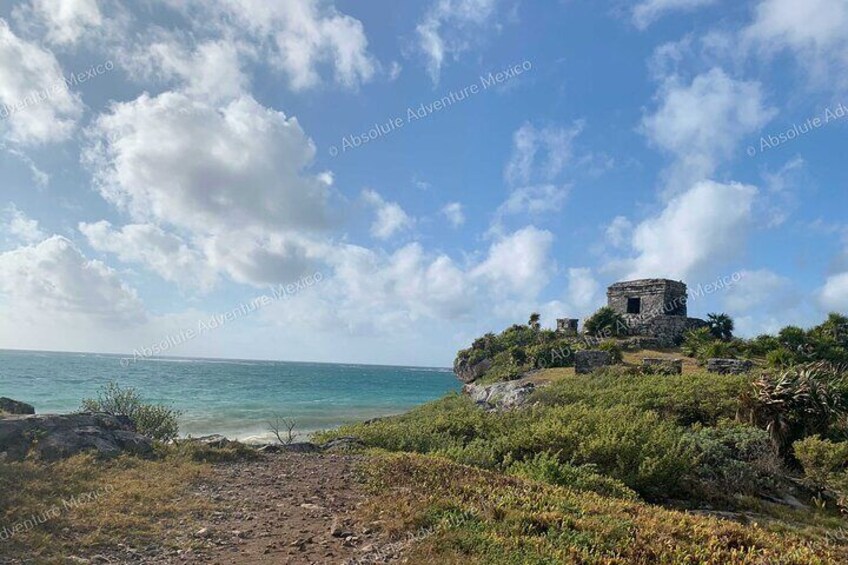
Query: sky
x=382, y=182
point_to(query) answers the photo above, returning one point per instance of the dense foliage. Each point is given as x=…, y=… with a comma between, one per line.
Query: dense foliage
x=155, y=421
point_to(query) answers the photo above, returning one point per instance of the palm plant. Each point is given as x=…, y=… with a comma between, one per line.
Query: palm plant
x=798, y=402
x=534, y=321
x=721, y=326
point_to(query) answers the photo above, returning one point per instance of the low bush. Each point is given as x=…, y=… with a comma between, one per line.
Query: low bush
x=821, y=458
x=548, y=468
x=155, y=421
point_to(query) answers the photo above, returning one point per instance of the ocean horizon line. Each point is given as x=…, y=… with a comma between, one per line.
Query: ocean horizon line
x=219, y=359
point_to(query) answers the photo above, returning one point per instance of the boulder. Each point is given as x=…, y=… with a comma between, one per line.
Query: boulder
x=346, y=443
x=15, y=407
x=588, y=361
x=500, y=396
x=56, y=436
x=470, y=373
x=662, y=366
x=729, y=366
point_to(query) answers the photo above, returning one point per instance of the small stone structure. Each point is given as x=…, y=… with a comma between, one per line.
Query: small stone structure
x=589, y=360
x=567, y=326
x=654, y=308
x=729, y=366
x=659, y=365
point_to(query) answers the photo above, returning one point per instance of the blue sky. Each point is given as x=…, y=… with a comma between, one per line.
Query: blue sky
x=202, y=156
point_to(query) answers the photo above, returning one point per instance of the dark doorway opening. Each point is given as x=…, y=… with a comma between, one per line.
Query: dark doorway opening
x=634, y=305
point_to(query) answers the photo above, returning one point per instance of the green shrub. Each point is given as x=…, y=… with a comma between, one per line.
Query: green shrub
x=606, y=322
x=155, y=421
x=547, y=468
x=613, y=349
x=780, y=358
x=695, y=340
x=820, y=458
x=733, y=458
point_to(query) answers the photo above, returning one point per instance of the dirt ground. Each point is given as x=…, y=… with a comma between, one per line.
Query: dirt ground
x=288, y=508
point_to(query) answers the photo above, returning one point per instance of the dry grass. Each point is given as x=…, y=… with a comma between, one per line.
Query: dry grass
x=482, y=517
x=85, y=505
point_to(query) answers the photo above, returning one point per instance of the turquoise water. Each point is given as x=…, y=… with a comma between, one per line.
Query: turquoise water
x=229, y=397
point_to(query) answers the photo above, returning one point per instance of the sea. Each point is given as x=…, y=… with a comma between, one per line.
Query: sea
x=235, y=398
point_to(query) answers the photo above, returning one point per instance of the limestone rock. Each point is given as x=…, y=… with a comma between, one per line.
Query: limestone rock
x=470, y=373
x=500, y=396
x=15, y=407
x=57, y=436
x=729, y=366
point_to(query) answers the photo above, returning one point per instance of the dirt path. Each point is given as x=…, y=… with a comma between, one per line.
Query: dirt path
x=286, y=508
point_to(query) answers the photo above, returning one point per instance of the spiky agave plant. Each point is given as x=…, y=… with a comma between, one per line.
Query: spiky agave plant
x=795, y=403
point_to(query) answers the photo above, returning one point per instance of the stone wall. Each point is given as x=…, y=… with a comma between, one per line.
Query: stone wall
x=729, y=366
x=669, y=331
x=589, y=360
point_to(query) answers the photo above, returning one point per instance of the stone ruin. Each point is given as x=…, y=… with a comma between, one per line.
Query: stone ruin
x=654, y=308
x=567, y=326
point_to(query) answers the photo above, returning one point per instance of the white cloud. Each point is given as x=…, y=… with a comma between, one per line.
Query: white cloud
x=518, y=263
x=755, y=289
x=211, y=70
x=534, y=200
x=65, y=21
x=540, y=153
x=619, y=231
x=453, y=212
x=648, y=11
x=834, y=295
x=164, y=253
x=390, y=219
x=21, y=227
x=702, y=123
x=696, y=232
x=192, y=165
x=53, y=282
x=813, y=30
x=451, y=27
x=303, y=37
x=35, y=104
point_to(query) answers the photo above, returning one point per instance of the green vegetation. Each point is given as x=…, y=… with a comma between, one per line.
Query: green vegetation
x=481, y=517
x=155, y=421
x=605, y=322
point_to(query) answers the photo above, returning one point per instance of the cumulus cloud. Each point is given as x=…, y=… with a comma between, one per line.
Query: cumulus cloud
x=701, y=123
x=20, y=227
x=695, y=233
x=211, y=70
x=451, y=27
x=164, y=253
x=518, y=263
x=390, y=219
x=648, y=11
x=757, y=288
x=303, y=37
x=813, y=31
x=834, y=295
x=453, y=212
x=193, y=165
x=65, y=21
x=53, y=281
x=35, y=103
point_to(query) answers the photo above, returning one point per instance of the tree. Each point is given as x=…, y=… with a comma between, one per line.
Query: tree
x=721, y=326
x=279, y=426
x=534, y=321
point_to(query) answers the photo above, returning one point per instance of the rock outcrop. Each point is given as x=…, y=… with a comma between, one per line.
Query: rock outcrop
x=56, y=436
x=10, y=406
x=500, y=396
x=468, y=373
